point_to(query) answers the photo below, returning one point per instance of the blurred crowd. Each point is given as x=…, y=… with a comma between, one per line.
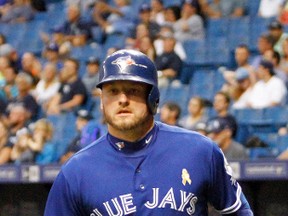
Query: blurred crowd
x=39, y=91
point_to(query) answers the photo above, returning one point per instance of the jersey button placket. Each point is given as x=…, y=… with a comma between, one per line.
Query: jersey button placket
x=139, y=180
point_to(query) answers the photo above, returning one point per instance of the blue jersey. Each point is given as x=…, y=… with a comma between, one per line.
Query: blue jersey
x=171, y=171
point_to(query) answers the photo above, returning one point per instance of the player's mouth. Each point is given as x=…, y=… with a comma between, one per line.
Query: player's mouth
x=124, y=113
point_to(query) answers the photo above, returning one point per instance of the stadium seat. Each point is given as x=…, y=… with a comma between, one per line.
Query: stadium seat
x=202, y=84
x=218, y=53
x=196, y=52
x=180, y=95
x=217, y=28
x=82, y=53
x=282, y=143
x=252, y=8
x=262, y=153
x=238, y=32
x=276, y=115
x=248, y=116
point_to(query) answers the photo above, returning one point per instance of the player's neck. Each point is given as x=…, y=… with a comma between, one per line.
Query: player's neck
x=134, y=134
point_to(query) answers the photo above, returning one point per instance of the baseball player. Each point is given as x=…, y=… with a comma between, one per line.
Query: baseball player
x=141, y=166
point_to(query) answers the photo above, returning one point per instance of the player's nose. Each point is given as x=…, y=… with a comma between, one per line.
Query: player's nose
x=123, y=98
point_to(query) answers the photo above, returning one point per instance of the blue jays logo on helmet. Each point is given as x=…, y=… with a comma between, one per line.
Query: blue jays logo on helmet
x=126, y=61
x=133, y=66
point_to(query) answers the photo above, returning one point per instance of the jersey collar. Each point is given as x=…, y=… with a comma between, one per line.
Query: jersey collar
x=130, y=147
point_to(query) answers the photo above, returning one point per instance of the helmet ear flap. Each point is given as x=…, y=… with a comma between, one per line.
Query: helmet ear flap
x=153, y=100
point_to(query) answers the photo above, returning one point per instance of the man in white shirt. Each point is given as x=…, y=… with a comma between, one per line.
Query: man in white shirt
x=269, y=90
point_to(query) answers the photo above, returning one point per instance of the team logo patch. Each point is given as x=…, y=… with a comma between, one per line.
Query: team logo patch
x=185, y=177
x=120, y=145
x=126, y=61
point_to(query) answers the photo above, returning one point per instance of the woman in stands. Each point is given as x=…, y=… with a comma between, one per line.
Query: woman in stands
x=196, y=109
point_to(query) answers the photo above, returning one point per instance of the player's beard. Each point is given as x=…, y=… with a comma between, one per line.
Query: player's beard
x=127, y=123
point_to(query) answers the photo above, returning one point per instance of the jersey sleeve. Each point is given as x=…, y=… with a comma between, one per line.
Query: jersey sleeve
x=225, y=193
x=61, y=200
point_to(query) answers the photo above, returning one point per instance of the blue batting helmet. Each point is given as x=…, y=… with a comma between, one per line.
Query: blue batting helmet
x=133, y=66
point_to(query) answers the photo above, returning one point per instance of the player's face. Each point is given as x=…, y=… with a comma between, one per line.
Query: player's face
x=124, y=105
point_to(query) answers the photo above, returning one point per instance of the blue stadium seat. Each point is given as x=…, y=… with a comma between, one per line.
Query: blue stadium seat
x=114, y=40
x=238, y=32
x=262, y=153
x=218, y=53
x=202, y=84
x=271, y=139
x=186, y=74
x=277, y=116
x=249, y=116
x=252, y=7
x=180, y=95
x=217, y=28
x=282, y=143
x=82, y=53
x=196, y=52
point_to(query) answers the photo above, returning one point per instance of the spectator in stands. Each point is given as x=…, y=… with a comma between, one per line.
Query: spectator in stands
x=18, y=12
x=146, y=46
x=221, y=105
x=242, y=55
x=157, y=12
x=269, y=90
x=168, y=64
x=72, y=93
x=220, y=130
x=172, y=14
x=51, y=54
x=31, y=66
x=7, y=51
x=275, y=58
x=283, y=130
x=201, y=127
x=134, y=42
x=9, y=89
x=16, y=119
x=24, y=85
x=196, y=110
x=84, y=5
x=170, y=113
x=270, y=9
x=225, y=8
x=42, y=135
x=265, y=42
x=145, y=18
x=158, y=43
x=120, y=18
x=242, y=89
x=283, y=15
x=34, y=144
x=284, y=58
x=283, y=155
x=87, y=132
x=4, y=63
x=57, y=37
x=5, y=144
x=76, y=29
x=190, y=26
x=48, y=85
x=91, y=76
x=278, y=35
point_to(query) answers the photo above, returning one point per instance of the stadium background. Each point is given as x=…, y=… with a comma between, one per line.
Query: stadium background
x=24, y=189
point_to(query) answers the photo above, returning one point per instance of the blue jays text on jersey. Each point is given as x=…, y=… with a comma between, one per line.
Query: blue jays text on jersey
x=171, y=171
